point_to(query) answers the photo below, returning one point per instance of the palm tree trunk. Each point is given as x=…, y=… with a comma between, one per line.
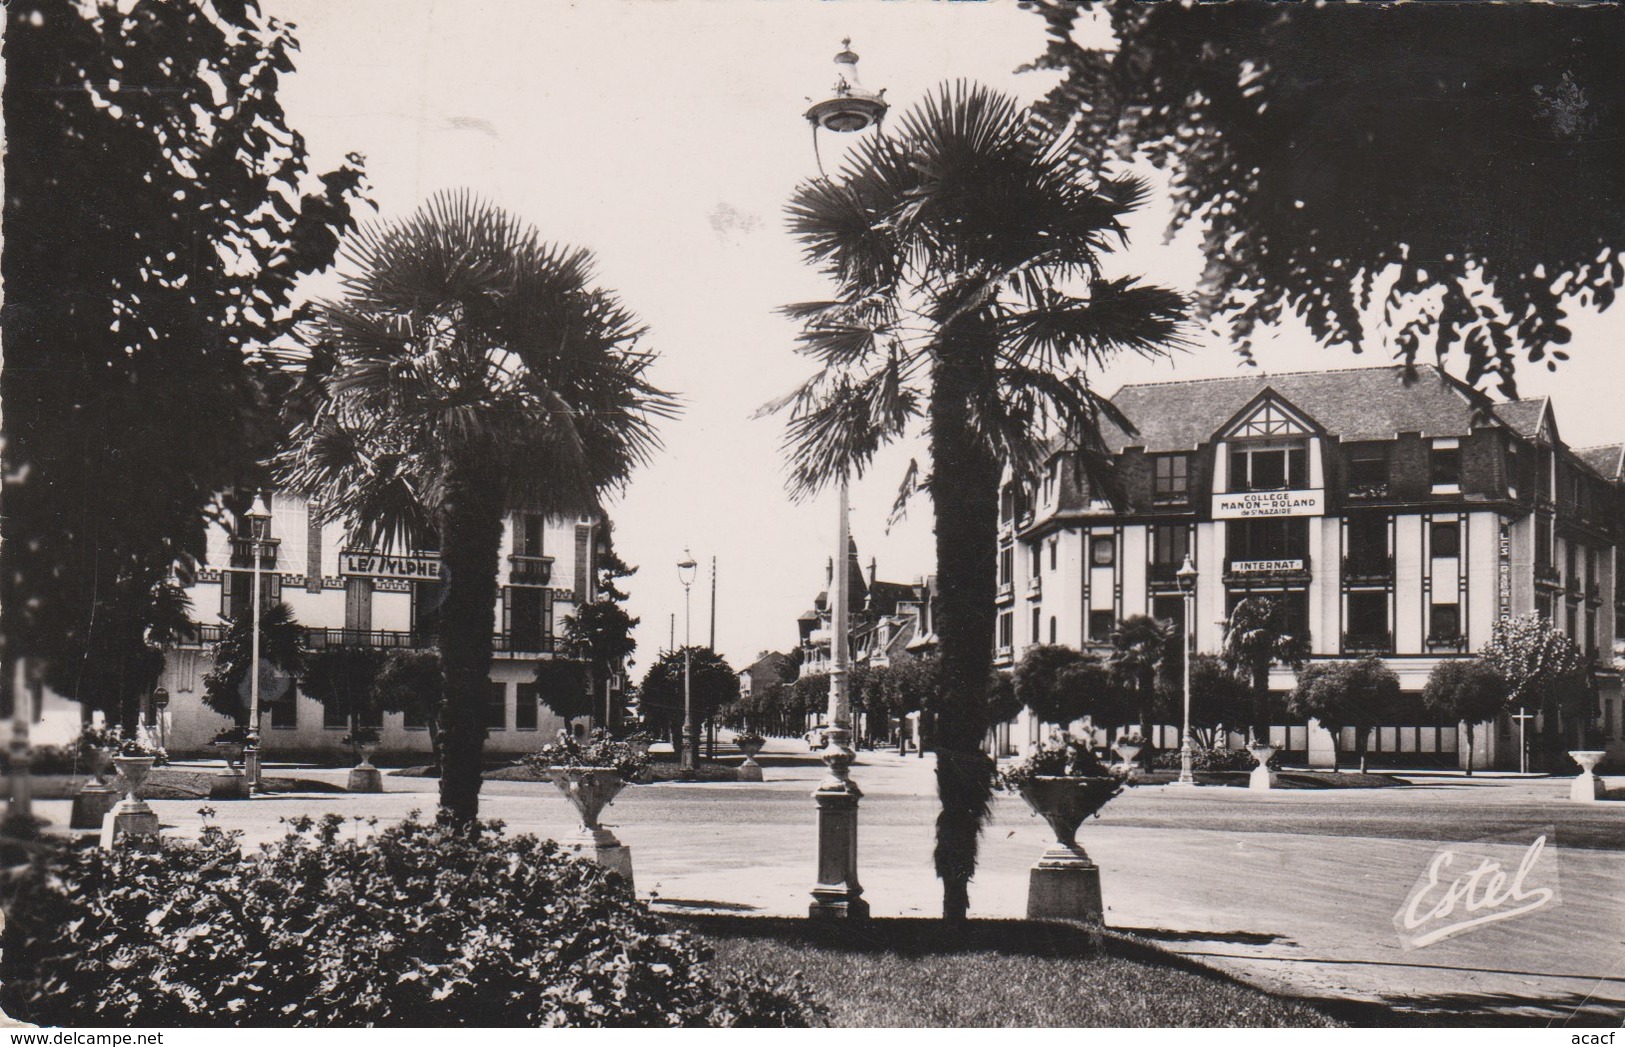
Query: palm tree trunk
x=471, y=544
x=1261, y=702
x=965, y=498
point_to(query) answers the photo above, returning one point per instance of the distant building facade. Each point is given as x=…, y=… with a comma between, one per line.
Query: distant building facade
x=1394, y=518
x=345, y=596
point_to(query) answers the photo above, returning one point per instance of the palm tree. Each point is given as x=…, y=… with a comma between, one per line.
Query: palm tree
x=469, y=370
x=1258, y=634
x=1140, y=644
x=965, y=250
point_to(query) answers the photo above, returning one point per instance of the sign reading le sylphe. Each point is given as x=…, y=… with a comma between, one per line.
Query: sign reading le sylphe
x=1243, y=505
x=419, y=567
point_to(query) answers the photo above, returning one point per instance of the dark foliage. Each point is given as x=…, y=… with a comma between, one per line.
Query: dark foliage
x=1211, y=759
x=1218, y=696
x=226, y=686
x=564, y=685
x=713, y=684
x=1361, y=694
x=343, y=680
x=1459, y=160
x=1060, y=684
x=416, y=925
x=158, y=214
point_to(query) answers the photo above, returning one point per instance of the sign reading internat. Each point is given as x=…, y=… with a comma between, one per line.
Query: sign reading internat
x=1246, y=505
x=419, y=567
x=1265, y=566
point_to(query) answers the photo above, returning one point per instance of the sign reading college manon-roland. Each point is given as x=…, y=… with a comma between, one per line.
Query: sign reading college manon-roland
x=418, y=567
x=1244, y=505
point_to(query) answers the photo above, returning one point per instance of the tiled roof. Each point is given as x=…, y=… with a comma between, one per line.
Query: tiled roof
x=1371, y=403
x=1605, y=459
x=885, y=596
x=1522, y=416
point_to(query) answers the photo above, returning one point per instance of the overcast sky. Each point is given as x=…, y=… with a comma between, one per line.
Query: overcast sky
x=666, y=136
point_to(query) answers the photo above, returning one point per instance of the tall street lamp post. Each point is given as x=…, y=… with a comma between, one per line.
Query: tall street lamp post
x=850, y=108
x=258, y=524
x=691, y=732
x=1187, y=588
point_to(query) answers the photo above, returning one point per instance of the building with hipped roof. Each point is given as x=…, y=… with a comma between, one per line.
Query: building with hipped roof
x=1398, y=514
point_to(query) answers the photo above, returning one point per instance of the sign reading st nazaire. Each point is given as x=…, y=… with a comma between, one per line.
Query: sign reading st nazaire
x=419, y=567
x=1247, y=505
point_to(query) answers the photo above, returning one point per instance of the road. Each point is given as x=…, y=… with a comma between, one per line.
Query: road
x=1296, y=891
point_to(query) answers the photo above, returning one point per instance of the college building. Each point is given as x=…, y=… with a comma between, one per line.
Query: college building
x=1393, y=516
x=344, y=596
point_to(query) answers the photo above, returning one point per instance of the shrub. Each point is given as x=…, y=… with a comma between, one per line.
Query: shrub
x=1214, y=759
x=420, y=924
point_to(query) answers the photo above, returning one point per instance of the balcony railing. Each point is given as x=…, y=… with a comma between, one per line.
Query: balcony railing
x=1547, y=575
x=530, y=570
x=1007, y=591
x=1368, y=643
x=1358, y=492
x=519, y=646
x=1035, y=587
x=1368, y=568
x=1594, y=594
x=1447, y=642
x=1572, y=585
x=325, y=639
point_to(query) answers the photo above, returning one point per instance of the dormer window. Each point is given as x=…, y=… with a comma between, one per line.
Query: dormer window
x=1368, y=470
x=1268, y=467
x=1170, y=478
x=1444, y=465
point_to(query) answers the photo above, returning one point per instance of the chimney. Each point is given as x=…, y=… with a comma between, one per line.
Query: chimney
x=871, y=572
x=829, y=572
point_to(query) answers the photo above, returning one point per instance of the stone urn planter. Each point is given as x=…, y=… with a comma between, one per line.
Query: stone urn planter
x=590, y=790
x=750, y=770
x=1128, y=752
x=1262, y=777
x=95, y=797
x=1587, y=788
x=231, y=783
x=364, y=777
x=1065, y=883
x=131, y=816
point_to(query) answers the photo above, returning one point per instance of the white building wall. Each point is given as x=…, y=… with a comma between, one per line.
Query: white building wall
x=1483, y=577
x=1208, y=558
x=1408, y=553
x=1135, y=558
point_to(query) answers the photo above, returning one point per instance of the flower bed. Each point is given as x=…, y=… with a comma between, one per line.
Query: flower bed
x=417, y=925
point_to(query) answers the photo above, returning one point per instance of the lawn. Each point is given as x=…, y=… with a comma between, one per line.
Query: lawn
x=1000, y=973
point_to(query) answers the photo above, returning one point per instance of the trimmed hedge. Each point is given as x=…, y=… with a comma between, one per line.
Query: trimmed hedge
x=418, y=924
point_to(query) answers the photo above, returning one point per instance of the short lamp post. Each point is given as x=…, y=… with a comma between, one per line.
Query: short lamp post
x=691, y=732
x=1187, y=589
